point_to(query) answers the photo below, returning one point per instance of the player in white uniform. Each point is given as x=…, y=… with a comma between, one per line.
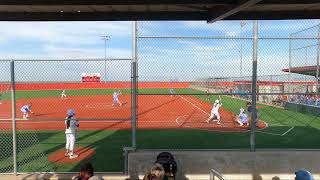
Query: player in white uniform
x=116, y=100
x=26, y=110
x=63, y=94
x=215, y=112
x=171, y=91
x=71, y=133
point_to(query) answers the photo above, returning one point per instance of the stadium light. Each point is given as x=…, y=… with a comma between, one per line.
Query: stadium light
x=242, y=24
x=105, y=39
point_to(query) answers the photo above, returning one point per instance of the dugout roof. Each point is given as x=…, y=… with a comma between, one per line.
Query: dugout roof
x=305, y=70
x=127, y=10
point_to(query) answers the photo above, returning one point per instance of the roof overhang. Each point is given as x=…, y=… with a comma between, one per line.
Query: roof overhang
x=128, y=10
x=305, y=70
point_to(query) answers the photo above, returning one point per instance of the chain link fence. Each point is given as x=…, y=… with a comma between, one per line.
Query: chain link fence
x=214, y=61
x=6, y=157
x=194, y=82
x=52, y=87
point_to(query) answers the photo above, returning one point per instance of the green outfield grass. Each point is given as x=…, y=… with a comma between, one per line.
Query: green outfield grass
x=35, y=146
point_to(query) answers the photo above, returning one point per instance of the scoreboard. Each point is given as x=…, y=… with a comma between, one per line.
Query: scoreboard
x=91, y=77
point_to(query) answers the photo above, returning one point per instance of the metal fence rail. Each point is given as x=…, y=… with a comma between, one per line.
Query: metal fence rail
x=215, y=174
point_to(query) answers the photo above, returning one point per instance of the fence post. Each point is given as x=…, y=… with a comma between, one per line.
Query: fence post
x=254, y=85
x=318, y=51
x=290, y=61
x=13, y=111
x=134, y=85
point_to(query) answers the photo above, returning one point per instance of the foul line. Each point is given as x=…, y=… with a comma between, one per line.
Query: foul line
x=283, y=134
x=194, y=105
x=196, y=102
x=212, y=130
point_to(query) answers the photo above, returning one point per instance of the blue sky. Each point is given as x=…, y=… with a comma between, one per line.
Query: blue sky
x=159, y=59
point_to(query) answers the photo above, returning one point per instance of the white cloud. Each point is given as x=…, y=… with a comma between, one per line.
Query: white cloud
x=64, y=32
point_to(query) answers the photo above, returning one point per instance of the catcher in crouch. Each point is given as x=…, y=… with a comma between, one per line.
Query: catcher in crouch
x=215, y=112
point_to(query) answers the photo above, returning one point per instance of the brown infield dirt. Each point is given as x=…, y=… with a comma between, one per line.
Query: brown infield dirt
x=97, y=113
x=59, y=158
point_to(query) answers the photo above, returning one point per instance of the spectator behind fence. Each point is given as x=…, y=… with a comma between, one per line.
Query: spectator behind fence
x=155, y=173
x=303, y=175
x=86, y=173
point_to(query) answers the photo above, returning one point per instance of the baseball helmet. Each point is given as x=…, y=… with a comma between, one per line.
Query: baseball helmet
x=303, y=175
x=216, y=101
x=71, y=112
x=241, y=110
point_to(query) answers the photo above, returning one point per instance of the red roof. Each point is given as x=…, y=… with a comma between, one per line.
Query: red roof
x=305, y=70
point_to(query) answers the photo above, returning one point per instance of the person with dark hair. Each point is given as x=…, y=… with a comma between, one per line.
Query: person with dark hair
x=169, y=165
x=86, y=173
x=71, y=133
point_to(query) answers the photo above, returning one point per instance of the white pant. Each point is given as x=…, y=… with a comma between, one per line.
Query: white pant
x=215, y=114
x=70, y=141
x=25, y=115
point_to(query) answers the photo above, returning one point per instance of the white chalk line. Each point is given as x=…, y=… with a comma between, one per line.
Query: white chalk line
x=196, y=102
x=194, y=105
x=81, y=121
x=200, y=110
x=207, y=129
x=259, y=131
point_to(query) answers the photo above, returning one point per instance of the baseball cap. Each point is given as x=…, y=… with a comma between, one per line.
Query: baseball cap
x=303, y=175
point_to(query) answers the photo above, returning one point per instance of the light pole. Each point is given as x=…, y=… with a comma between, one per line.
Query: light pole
x=105, y=39
x=242, y=23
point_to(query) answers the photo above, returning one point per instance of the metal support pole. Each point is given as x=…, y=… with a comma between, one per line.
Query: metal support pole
x=105, y=38
x=318, y=51
x=306, y=62
x=241, y=52
x=242, y=24
x=254, y=85
x=105, y=61
x=13, y=111
x=290, y=54
x=134, y=84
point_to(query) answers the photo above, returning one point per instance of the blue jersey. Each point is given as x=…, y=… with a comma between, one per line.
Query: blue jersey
x=243, y=117
x=25, y=108
x=115, y=96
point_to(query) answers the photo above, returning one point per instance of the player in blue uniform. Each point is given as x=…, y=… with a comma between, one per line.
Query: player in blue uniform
x=26, y=110
x=242, y=119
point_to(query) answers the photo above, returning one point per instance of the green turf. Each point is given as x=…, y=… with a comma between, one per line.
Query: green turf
x=87, y=92
x=35, y=146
